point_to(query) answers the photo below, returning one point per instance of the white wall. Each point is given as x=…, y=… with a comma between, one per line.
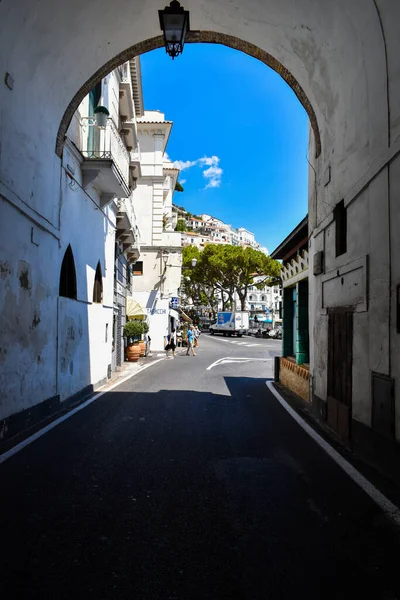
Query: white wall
x=91, y=234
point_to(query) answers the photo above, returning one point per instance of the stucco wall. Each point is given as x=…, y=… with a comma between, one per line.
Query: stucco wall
x=28, y=312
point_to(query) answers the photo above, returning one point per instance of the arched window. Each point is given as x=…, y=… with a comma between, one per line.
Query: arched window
x=262, y=298
x=68, y=276
x=98, y=285
x=251, y=298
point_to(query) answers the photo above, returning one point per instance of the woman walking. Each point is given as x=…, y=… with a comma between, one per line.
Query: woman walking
x=190, y=341
x=171, y=343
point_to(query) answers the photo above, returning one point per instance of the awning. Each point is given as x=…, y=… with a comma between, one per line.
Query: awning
x=134, y=310
x=185, y=317
x=173, y=313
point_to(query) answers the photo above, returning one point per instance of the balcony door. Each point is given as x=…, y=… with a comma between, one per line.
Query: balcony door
x=93, y=132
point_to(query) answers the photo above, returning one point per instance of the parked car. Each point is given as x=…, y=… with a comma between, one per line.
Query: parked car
x=276, y=334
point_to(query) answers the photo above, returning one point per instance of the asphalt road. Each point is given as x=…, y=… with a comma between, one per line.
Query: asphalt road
x=190, y=481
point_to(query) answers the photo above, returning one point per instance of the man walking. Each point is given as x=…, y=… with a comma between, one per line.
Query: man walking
x=190, y=341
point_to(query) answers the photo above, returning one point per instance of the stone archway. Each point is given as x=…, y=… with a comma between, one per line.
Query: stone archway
x=208, y=37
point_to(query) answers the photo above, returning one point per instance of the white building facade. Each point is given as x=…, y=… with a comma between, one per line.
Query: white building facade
x=264, y=302
x=157, y=276
x=73, y=265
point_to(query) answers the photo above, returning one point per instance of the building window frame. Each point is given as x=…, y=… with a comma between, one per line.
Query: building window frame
x=98, y=285
x=340, y=216
x=67, y=284
x=137, y=269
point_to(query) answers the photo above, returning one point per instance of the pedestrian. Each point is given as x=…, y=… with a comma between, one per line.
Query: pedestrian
x=190, y=341
x=196, y=332
x=171, y=343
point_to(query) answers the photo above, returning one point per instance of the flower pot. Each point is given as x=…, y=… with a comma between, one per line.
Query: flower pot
x=142, y=346
x=133, y=352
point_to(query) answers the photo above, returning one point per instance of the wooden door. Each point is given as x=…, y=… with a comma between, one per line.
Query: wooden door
x=340, y=364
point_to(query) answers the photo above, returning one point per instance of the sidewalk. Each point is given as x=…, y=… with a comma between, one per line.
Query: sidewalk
x=388, y=486
x=128, y=369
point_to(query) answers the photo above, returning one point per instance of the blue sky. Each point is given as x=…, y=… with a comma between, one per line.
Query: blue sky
x=246, y=125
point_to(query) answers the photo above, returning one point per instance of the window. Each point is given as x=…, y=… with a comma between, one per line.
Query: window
x=138, y=268
x=262, y=298
x=340, y=214
x=98, y=285
x=251, y=298
x=68, y=275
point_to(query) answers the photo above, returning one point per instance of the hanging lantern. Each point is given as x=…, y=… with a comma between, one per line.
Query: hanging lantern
x=174, y=22
x=101, y=114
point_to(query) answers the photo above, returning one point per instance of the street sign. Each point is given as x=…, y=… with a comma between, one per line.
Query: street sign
x=174, y=303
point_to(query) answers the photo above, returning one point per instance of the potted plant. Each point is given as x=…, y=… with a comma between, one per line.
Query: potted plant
x=101, y=114
x=142, y=343
x=133, y=331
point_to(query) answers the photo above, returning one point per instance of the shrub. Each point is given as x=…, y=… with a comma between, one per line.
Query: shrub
x=133, y=329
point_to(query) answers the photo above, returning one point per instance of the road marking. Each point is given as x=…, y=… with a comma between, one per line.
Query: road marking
x=38, y=434
x=240, y=343
x=390, y=509
x=235, y=359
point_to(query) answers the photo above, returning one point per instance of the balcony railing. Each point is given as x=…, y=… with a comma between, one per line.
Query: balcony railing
x=105, y=144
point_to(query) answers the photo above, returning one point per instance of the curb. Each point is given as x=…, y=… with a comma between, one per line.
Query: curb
x=387, y=507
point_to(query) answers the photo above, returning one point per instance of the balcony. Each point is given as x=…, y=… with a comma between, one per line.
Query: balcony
x=134, y=163
x=126, y=91
x=106, y=160
x=127, y=229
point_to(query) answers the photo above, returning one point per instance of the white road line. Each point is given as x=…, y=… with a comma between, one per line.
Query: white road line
x=390, y=509
x=235, y=359
x=251, y=345
x=38, y=434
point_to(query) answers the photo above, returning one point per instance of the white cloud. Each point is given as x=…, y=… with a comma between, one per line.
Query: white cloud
x=210, y=161
x=184, y=164
x=213, y=173
x=182, y=181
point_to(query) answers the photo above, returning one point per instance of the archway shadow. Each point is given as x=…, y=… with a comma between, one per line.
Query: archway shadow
x=183, y=494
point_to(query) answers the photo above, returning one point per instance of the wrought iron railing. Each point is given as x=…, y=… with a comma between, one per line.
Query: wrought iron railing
x=105, y=144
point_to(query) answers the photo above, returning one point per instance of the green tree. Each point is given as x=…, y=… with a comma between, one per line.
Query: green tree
x=251, y=263
x=179, y=187
x=222, y=270
x=197, y=283
x=180, y=225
